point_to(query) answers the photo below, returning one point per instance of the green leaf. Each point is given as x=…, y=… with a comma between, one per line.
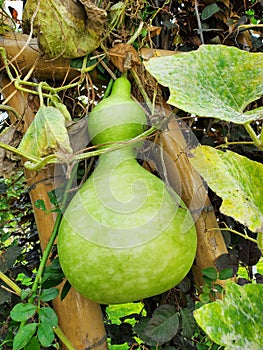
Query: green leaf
x=209, y=11
x=140, y=328
x=33, y=344
x=188, y=323
x=24, y=335
x=45, y=334
x=164, y=324
x=48, y=316
x=214, y=81
x=47, y=134
x=218, y=288
x=49, y=294
x=205, y=298
x=65, y=290
x=22, y=312
x=226, y=273
x=52, y=197
x=53, y=274
x=237, y=180
x=236, y=321
x=8, y=258
x=5, y=296
x=40, y=204
x=210, y=272
x=25, y=293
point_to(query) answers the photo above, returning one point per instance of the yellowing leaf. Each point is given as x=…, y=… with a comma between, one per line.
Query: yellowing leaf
x=47, y=134
x=237, y=180
x=62, y=27
x=236, y=321
x=214, y=81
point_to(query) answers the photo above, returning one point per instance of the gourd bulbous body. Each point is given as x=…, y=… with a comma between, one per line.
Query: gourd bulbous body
x=125, y=236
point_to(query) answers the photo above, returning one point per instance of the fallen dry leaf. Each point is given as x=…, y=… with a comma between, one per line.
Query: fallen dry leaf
x=124, y=56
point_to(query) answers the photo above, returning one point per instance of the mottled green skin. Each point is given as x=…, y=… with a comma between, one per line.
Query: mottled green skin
x=124, y=236
x=116, y=118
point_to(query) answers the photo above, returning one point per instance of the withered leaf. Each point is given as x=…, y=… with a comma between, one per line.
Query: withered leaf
x=62, y=27
x=124, y=56
x=47, y=134
x=96, y=16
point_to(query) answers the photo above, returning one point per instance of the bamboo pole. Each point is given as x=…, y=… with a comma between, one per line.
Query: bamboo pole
x=26, y=52
x=80, y=319
x=189, y=185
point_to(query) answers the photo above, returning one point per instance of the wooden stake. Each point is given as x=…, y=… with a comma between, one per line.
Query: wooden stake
x=189, y=185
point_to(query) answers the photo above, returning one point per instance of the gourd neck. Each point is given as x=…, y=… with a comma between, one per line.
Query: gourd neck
x=121, y=88
x=112, y=158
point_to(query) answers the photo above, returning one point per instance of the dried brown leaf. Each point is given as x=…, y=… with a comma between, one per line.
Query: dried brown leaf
x=96, y=16
x=124, y=56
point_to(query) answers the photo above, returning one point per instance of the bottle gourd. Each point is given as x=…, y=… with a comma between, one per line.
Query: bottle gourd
x=125, y=236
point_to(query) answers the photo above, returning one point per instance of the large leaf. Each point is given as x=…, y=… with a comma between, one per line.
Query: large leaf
x=8, y=258
x=188, y=322
x=62, y=27
x=215, y=81
x=47, y=134
x=236, y=321
x=163, y=325
x=237, y=180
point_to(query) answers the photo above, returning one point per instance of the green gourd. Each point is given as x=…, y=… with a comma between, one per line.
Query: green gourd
x=125, y=236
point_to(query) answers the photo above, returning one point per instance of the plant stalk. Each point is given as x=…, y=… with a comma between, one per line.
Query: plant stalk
x=63, y=338
x=10, y=283
x=253, y=135
x=17, y=151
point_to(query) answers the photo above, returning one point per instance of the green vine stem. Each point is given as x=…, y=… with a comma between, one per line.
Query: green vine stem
x=261, y=135
x=63, y=338
x=36, y=164
x=18, y=152
x=7, y=64
x=245, y=236
x=230, y=143
x=19, y=85
x=9, y=109
x=142, y=90
x=257, y=141
x=260, y=241
x=115, y=146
